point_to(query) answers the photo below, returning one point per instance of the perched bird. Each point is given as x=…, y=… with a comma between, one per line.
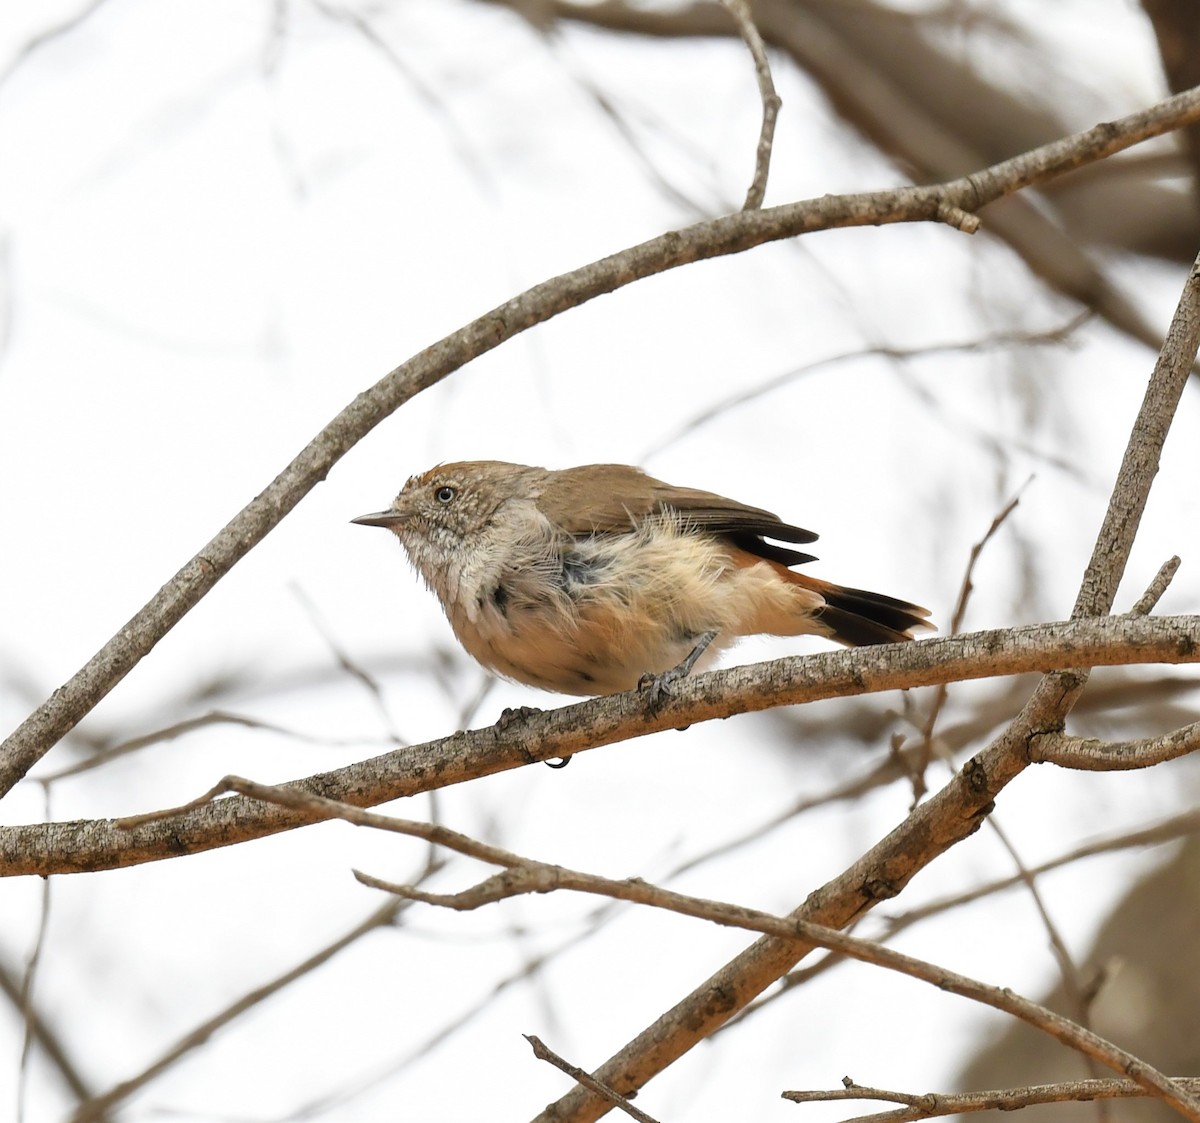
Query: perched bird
x=597, y=579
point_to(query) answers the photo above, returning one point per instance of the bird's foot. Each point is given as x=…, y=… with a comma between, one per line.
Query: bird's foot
x=658, y=687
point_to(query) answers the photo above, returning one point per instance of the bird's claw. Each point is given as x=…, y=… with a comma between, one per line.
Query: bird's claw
x=512, y=714
x=658, y=688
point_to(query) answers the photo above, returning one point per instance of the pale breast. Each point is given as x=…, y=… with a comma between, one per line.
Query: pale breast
x=607, y=609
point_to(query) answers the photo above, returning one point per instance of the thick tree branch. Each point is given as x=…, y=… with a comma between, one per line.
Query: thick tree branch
x=730, y=234
x=76, y=847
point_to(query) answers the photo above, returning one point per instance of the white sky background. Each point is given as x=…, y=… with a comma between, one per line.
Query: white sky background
x=214, y=235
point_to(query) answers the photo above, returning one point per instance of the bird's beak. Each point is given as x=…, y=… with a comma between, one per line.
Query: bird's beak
x=387, y=519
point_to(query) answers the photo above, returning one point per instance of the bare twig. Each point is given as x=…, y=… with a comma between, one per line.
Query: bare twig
x=992, y=342
x=65, y=27
x=99, y=1107
x=580, y=1076
x=203, y=721
x=730, y=234
x=1091, y=755
x=1179, y=826
x=13, y=989
x=1073, y=986
x=434, y=100
x=771, y=102
x=1154, y=591
x=932, y=1104
x=26, y=995
x=884, y=772
x=960, y=610
x=355, y=1085
x=350, y=666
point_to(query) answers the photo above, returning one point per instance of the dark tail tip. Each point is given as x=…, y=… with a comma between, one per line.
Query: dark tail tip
x=859, y=618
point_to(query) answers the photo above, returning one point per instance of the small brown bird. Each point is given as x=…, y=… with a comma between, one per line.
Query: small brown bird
x=597, y=579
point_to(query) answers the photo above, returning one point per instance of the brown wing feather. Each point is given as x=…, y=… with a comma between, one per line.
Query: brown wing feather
x=603, y=498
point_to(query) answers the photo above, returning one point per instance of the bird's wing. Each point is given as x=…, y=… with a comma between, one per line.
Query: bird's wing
x=607, y=498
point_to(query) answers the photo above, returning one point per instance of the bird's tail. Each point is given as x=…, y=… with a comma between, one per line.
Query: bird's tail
x=857, y=617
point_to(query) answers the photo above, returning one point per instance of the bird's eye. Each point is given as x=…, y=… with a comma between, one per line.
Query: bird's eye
x=444, y=494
